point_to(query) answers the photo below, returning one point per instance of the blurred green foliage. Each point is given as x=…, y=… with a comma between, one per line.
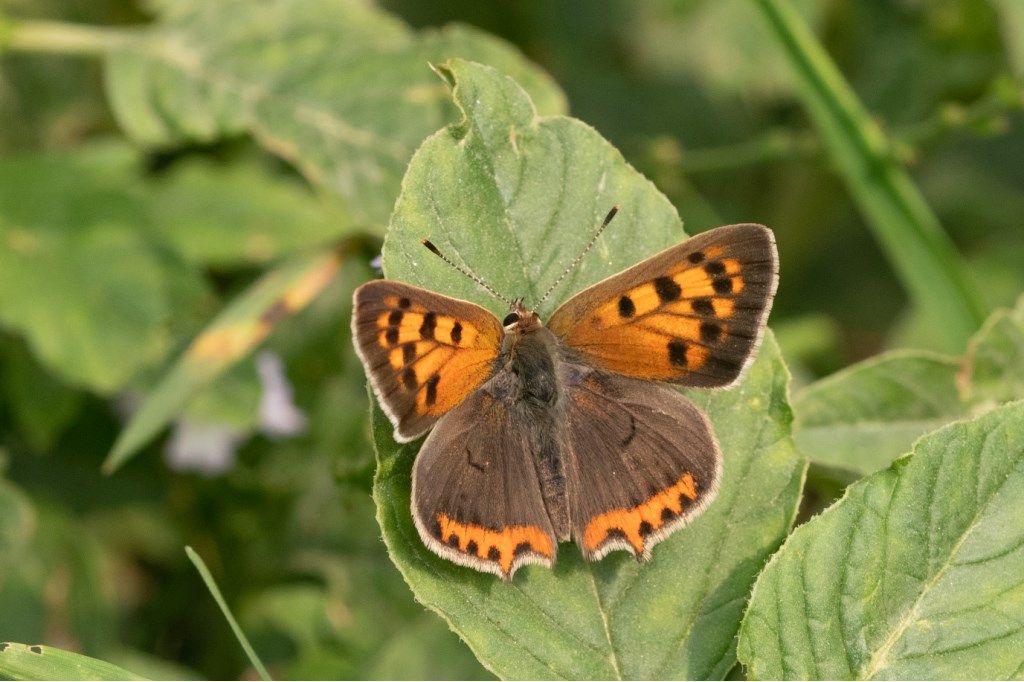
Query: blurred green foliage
x=158, y=165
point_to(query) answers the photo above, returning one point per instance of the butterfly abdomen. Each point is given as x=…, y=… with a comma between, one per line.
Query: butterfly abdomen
x=527, y=381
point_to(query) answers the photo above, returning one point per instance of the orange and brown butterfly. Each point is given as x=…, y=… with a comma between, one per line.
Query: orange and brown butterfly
x=545, y=432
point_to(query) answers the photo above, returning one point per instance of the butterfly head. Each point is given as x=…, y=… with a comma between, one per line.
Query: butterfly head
x=520, y=318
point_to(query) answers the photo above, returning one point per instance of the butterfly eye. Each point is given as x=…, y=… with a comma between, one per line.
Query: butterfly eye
x=509, y=319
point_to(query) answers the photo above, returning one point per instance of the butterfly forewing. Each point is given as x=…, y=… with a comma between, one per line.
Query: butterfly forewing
x=641, y=460
x=424, y=353
x=476, y=498
x=692, y=314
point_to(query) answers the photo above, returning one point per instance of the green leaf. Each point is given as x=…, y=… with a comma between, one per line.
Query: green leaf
x=17, y=524
x=917, y=573
x=40, y=662
x=230, y=215
x=338, y=88
x=102, y=268
x=1011, y=15
x=921, y=253
x=861, y=418
x=235, y=332
x=503, y=180
x=80, y=281
x=994, y=364
x=864, y=416
x=424, y=649
x=40, y=405
x=151, y=667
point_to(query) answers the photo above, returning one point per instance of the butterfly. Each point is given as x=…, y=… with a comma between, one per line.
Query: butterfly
x=544, y=432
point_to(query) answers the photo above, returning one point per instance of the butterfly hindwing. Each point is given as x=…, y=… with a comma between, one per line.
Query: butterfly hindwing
x=476, y=498
x=641, y=461
x=692, y=314
x=424, y=352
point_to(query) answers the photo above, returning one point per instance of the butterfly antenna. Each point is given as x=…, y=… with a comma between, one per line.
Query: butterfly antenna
x=586, y=250
x=465, y=271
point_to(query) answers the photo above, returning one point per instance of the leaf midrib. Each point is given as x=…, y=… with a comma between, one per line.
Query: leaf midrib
x=613, y=656
x=507, y=221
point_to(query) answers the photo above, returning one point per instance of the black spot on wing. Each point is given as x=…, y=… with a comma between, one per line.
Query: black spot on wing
x=714, y=268
x=723, y=366
x=710, y=332
x=428, y=326
x=626, y=307
x=667, y=289
x=703, y=306
x=432, y=389
x=409, y=352
x=677, y=352
x=615, y=533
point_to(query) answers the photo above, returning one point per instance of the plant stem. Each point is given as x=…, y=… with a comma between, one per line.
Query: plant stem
x=920, y=252
x=59, y=37
x=989, y=110
x=774, y=145
x=785, y=144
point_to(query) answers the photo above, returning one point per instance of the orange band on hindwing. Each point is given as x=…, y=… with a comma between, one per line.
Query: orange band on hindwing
x=500, y=546
x=636, y=523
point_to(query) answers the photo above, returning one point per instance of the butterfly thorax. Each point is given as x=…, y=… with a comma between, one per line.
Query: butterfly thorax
x=525, y=369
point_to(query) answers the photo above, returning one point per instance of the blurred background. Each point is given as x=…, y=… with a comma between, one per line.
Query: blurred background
x=117, y=249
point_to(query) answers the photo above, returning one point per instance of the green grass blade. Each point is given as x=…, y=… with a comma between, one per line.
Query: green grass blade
x=40, y=662
x=204, y=572
x=921, y=253
x=236, y=332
